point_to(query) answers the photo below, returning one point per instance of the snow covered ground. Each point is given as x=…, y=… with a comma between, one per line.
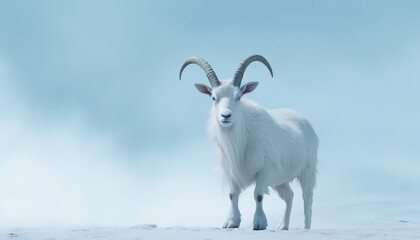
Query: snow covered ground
x=394, y=230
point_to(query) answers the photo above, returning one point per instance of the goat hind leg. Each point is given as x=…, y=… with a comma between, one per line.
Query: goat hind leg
x=286, y=193
x=307, y=182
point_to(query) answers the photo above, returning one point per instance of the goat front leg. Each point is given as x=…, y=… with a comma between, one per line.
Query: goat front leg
x=234, y=216
x=260, y=220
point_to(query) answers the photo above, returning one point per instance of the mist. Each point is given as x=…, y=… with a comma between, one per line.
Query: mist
x=96, y=128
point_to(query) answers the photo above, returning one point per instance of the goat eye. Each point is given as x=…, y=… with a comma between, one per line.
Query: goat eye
x=214, y=99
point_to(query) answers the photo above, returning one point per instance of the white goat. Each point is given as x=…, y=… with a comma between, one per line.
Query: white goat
x=255, y=145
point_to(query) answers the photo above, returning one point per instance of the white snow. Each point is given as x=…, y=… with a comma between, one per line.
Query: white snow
x=393, y=230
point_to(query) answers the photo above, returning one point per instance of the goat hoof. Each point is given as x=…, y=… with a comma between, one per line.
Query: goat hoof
x=259, y=227
x=282, y=228
x=231, y=224
x=260, y=221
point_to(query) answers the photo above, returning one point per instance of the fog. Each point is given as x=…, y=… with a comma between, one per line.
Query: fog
x=96, y=128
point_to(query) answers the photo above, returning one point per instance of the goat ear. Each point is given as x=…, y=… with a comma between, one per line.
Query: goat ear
x=249, y=87
x=203, y=88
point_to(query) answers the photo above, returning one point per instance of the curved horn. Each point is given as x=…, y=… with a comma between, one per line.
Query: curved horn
x=214, y=82
x=239, y=74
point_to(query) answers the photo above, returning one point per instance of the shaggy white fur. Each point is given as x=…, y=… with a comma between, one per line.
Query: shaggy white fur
x=253, y=145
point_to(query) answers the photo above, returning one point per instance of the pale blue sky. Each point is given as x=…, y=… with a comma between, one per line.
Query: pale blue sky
x=99, y=79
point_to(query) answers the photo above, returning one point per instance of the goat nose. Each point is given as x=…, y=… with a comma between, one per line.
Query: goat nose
x=226, y=115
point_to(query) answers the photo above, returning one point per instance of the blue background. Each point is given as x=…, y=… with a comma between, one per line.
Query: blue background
x=96, y=128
